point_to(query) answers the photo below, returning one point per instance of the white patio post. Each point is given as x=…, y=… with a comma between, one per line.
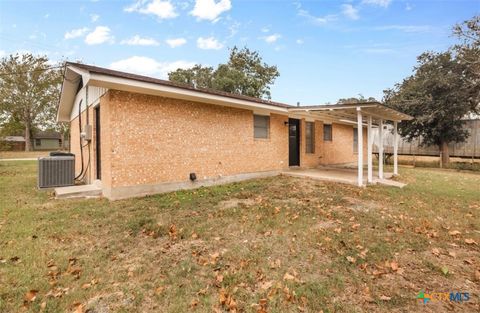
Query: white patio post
x=369, y=150
x=395, y=148
x=360, y=147
x=380, y=149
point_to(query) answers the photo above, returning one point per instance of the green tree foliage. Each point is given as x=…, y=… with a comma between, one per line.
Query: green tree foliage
x=245, y=73
x=29, y=91
x=441, y=92
x=360, y=99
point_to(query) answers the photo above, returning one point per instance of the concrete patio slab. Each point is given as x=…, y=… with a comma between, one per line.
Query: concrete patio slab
x=340, y=175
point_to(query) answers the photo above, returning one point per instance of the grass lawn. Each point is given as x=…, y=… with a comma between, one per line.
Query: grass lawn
x=270, y=245
x=22, y=154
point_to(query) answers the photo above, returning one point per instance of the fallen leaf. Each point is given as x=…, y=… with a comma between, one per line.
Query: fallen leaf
x=266, y=285
x=385, y=298
x=470, y=241
x=172, y=231
x=275, y=264
x=194, y=235
x=159, y=290
x=262, y=306
x=351, y=259
x=476, y=275
x=435, y=251
x=452, y=254
x=194, y=303
x=31, y=295
x=287, y=276
x=454, y=233
x=214, y=257
x=394, y=266
x=79, y=308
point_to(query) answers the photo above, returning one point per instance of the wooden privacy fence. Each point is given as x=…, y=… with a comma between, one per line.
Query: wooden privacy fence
x=468, y=149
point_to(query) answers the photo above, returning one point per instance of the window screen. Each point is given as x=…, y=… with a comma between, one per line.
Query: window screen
x=38, y=142
x=355, y=140
x=310, y=137
x=327, y=132
x=261, y=126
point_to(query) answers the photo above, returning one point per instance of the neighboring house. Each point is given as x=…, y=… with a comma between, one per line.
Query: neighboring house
x=47, y=140
x=41, y=140
x=12, y=143
x=140, y=135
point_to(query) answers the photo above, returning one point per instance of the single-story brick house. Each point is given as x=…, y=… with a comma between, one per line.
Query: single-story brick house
x=140, y=135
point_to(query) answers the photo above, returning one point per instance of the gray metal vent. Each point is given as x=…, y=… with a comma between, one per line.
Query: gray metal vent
x=56, y=171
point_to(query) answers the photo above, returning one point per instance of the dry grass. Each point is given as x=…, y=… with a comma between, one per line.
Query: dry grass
x=434, y=161
x=271, y=245
x=22, y=154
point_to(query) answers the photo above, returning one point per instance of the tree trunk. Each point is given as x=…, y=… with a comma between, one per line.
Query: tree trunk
x=445, y=156
x=62, y=138
x=28, y=140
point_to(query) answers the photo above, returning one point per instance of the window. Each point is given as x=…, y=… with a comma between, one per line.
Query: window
x=310, y=137
x=38, y=142
x=355, y=140
x=261, y=126
x=327, y=132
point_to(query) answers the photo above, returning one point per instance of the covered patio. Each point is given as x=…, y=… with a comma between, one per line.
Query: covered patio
x=367, y=115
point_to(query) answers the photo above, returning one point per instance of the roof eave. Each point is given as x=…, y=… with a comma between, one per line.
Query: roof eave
x=132, y=85
x=71, y=80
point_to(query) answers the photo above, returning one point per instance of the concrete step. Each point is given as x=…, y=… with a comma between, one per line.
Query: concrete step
x=79, y=191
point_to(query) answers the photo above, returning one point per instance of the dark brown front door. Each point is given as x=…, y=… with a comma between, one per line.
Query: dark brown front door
x=293, y=142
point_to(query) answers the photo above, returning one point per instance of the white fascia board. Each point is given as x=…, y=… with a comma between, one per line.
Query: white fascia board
x=69, y=92
x=131, y=85
x=85, y=74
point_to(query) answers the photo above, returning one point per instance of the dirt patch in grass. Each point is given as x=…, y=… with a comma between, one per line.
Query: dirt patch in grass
x=233, y=203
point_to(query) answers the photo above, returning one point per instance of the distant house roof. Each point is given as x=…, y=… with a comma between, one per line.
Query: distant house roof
x=14, y=138
x=47, y=135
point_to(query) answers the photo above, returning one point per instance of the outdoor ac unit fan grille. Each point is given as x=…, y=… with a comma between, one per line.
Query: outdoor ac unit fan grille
x=56, y=171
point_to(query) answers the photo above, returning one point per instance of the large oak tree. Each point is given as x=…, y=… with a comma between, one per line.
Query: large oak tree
x=443, y=90
x=29, y=91
x=245, y=73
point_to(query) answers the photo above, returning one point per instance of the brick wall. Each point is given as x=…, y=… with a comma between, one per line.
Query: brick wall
x=148, y=140
x=157, y=139
x=340, y=149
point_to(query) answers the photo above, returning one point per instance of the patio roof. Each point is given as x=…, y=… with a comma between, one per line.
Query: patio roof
x=348, y=112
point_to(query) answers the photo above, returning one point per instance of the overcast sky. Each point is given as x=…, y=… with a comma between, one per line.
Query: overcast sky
x=325, y=50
